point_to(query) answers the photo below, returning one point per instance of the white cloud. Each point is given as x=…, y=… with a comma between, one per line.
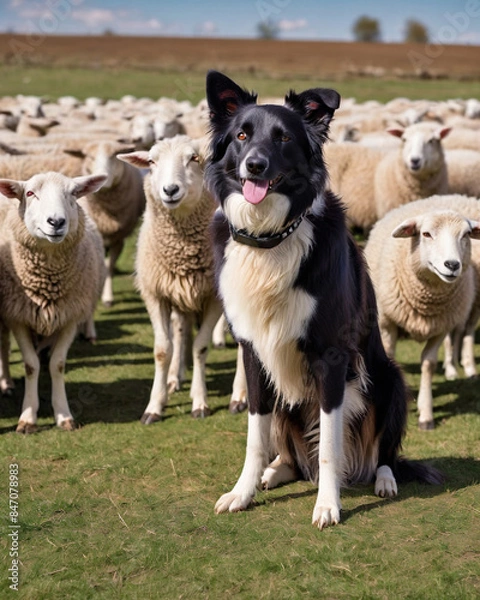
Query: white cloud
x=94, y=16
x=291, y=25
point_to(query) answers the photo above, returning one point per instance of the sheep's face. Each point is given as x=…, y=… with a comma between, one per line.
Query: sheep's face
x=422, y=149
x=102, y=158
x=165, y=124
x=176, y=175
x=142, y=133
x=440, y=243
x=48, y=203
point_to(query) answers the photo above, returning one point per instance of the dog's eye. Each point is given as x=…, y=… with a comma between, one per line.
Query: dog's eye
x=285, y=138
x=241, y=136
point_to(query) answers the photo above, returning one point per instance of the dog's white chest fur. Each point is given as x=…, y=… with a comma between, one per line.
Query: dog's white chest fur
x=265, y=309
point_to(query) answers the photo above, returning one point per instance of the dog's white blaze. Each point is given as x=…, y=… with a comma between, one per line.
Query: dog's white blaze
x=267, y=217
x=265, y=309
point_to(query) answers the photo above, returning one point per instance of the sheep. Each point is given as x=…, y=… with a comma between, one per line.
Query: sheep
x=419, y=257
x=117, y=206
x=463, y=172
x=52, y=272
x=26, y=165
x=174, y=262
x=416, y=171
x=372, y=181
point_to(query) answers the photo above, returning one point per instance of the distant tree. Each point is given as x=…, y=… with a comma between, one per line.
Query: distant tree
x=268, y=30
x=366, y=29
x=415, y=32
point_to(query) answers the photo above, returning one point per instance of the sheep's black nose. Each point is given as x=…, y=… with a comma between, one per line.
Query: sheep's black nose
x=256, y=165
x=56, y=223
x=171, y=190
x=453, y=265
x=415, y=163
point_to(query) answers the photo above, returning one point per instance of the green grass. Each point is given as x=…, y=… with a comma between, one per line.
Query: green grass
x=113, y=83
x=117, y=510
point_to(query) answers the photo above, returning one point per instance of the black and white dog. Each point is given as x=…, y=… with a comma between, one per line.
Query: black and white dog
x=323, y=396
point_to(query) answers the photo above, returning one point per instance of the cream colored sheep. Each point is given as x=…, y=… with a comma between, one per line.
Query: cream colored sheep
x=117, y=206
x=420, y=261
x=27, y=165
x=174, y=263
x=463, y=168
x=417, y=170
x=52, y=273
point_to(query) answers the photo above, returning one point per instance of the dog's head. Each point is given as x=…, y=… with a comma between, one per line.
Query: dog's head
x=266, y=166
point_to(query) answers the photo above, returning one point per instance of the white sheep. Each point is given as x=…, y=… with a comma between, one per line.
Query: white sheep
x=463, y=168
x=52, y=272
x=27, y=165
x=174, y=263
x=420, y=261
x=372, y=181
x=117, y=206
x=417, y=170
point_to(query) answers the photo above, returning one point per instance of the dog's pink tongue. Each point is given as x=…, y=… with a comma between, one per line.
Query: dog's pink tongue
x=255, y=191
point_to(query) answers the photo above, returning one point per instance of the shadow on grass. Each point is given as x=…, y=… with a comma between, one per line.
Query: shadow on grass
x=459, y=473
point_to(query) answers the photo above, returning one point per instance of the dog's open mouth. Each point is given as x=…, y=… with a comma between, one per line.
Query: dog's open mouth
x=255, y=190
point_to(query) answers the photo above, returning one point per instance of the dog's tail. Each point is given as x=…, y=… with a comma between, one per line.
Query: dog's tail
x=412, y=470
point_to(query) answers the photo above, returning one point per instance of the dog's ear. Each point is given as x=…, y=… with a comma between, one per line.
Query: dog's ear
x=315, y=106
x=224, y=97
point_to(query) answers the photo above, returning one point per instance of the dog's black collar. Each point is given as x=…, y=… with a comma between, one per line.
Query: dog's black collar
x=265, y=241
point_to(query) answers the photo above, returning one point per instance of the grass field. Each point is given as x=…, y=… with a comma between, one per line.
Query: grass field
x=117, y=510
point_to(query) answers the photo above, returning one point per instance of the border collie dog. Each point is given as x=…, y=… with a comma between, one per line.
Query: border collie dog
x=325, y=402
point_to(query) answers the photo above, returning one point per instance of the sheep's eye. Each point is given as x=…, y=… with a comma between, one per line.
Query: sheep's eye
x=426, y=234
x=242, y=136
x=29, y=194
x=285, y=138
x=151, y=162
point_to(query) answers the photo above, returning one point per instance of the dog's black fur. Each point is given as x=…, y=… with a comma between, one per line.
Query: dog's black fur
x=340, y=342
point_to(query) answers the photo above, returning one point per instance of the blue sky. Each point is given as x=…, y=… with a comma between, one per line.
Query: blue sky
x=448, y=21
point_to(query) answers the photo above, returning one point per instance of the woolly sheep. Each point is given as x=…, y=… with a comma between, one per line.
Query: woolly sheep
x=417, y=170
x=27, y=165
x=117, y=206
x=174, y=263
x=52, y=271
x=463, y=172
x=420, y=261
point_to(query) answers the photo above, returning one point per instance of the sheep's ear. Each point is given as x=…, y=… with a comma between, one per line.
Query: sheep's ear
x=139, y=159
x=396, y=132
x=88, y=184
x=315, y=106
x=409, y=228
x=224, y=97
x=443, y=132
x=475, y=229
x=11, y=188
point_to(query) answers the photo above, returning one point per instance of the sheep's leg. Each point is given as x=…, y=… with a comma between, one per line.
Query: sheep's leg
x=198, y=391
x=176, y=373
x=238, y=401
x=425, y=397
x=451, y=346
x=110, y=262
x=28, y=418
x=6, y=381
x=159, y=311
x=468, y=345
x=389, y=333
x=58, y=358
x=218, y=336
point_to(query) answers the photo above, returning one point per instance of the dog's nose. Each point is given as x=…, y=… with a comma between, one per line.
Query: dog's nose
x=256, y=165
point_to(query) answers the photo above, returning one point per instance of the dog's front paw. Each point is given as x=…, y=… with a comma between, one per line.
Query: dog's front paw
x=233, y=502
x=324, y=516
x=385, y=484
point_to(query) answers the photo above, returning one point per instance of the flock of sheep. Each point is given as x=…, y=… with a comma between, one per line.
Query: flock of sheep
x=76, y=178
